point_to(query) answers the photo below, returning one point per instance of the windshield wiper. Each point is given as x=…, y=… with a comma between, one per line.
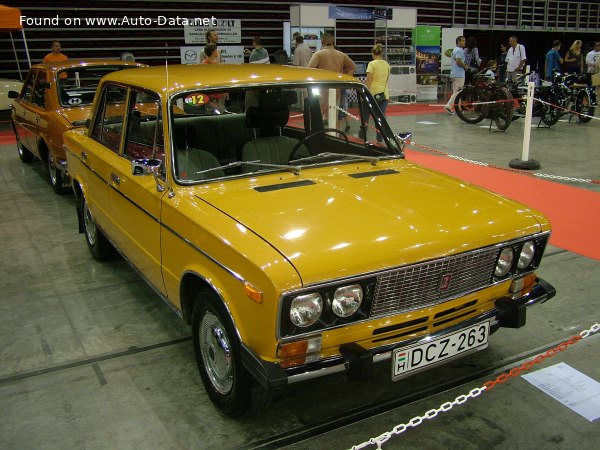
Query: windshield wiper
x=294, y=169
x=372, y=159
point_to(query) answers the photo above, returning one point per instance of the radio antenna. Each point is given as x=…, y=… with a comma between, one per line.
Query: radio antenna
x=167, y=65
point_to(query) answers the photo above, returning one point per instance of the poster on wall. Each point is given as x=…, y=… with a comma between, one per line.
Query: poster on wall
x=231, y=54
x=428, y=58
x=229, y=30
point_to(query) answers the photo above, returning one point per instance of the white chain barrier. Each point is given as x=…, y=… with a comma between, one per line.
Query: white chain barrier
x=461, y=399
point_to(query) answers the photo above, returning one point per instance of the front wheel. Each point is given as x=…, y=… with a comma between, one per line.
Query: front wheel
x=465, y=107
x=228, y=384
x=503, y=108
x=550, y=113
x=583, y=105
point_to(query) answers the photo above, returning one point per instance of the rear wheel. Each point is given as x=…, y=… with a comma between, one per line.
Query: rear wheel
x=56, y=176
x=228, y=384
x=465, y=107
x=99, y=246
x=583, y=105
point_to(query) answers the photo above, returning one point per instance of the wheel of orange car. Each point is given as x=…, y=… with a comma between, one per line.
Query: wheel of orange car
x=228, y=384
x=56, y=177
x=25, y=155
x=308, y=137
x=99, y=246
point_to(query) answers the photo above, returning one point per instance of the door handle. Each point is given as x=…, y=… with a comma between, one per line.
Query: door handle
x=84, y=156
x=115, y=178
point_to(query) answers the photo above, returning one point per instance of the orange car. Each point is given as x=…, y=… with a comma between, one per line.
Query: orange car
x=56, y=97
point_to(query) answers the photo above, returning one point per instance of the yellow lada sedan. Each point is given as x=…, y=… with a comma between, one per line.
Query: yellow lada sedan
x=259, y=203
x=55, y=97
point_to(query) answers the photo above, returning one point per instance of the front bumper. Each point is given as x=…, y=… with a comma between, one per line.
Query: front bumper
x=358, y=362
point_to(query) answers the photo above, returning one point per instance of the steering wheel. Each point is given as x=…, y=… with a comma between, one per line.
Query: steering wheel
x=308, y=137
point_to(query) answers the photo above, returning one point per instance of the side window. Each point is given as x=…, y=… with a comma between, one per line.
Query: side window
x=39, y=91
x=108, y=125
x=144, y=127
x=28, y=86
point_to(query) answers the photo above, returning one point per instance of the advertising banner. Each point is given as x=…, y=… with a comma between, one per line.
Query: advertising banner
x=349, y=13
x=229, y=30
x=428, y=57
x=231, y=54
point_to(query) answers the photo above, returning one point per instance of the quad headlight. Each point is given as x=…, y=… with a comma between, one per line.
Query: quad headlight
x=527, y=254
x=347, y=300
x=306, y=309
x=505, y=261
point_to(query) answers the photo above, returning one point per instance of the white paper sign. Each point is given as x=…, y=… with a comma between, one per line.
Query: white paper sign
x=572, y=388
x=231, y=54
x=229, y=31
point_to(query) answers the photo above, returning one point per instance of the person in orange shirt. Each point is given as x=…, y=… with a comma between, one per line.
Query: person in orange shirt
x=55, y=55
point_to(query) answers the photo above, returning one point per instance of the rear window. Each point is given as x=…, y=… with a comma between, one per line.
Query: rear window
x=77, y=85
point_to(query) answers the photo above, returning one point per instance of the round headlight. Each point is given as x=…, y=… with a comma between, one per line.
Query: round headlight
x=527, y=254
x=306, y=309
x=507, y=255
x=347, y=300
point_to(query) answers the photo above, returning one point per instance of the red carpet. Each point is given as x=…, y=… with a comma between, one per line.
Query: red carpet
x=573, y=212
x=413, y=109
x=7, y=137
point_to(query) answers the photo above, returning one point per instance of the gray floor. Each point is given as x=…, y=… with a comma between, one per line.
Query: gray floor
x=90, y=358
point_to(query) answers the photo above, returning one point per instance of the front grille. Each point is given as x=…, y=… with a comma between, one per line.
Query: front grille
x=424, y=285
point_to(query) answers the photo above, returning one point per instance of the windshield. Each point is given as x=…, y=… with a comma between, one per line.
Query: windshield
x=77, y=85
x=256, y=130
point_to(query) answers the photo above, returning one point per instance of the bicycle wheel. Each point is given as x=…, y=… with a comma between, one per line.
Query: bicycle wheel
x=503, y=108
x=583, y=105
x=550, y=111
x=464, y=107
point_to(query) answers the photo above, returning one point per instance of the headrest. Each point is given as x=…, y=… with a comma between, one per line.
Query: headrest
x=267, y=117
x=271, y=99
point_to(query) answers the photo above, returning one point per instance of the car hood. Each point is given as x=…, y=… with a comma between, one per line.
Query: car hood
x=334, y=222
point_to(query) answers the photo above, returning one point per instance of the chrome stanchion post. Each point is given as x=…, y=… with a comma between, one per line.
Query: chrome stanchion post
x=525, y=162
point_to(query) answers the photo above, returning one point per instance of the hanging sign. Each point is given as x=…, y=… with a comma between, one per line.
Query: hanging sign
x=348, y=13
x=229, y=31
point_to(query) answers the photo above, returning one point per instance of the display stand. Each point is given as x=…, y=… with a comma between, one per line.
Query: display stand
x=311, y=21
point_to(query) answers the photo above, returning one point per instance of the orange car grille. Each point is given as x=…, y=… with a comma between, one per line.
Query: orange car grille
x=429, y=284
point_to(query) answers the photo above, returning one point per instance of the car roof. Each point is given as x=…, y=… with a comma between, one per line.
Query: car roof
x=185, y=77
x=70, y=63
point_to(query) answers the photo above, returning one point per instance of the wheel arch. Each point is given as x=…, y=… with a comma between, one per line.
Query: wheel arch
x=190, y=285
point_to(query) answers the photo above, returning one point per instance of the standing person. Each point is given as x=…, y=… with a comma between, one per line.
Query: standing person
x=378, y=75
x=55, y=55
x=592, y=59
x=574, y=58
x=553, y=61
x=212, y=37
x=259, y=54
x=216, y=103
x=515, y=58
x=329, y=58
x=302, y=52
x=471, y=51
x=457, y=72
x=502, y=62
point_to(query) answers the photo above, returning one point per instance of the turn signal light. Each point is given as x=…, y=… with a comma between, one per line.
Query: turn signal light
x=300, y=352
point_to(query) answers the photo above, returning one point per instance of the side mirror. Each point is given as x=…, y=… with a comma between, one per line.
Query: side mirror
x=404, y=138
x=13, y=94
x=145, y=166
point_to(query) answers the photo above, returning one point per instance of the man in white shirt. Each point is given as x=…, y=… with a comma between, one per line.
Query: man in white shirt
x=592, y=59
x=515, y=58
x=302, y=53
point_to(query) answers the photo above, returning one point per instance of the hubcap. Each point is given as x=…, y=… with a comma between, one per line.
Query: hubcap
x=216, y=353
x=52, y=170
x=90, y=226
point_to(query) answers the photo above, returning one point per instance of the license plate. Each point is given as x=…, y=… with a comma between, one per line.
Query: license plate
x=408, y=360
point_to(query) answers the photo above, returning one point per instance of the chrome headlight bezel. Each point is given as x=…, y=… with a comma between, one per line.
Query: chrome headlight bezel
x=347, y=300
x=526, y=255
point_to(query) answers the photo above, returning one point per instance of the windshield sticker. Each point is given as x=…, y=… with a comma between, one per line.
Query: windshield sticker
x=197, y=99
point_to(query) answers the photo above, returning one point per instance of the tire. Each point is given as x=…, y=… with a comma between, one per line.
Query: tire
x=99, y=246
x=464, y=107
x=503, y=109
x=25, y=155
x=228, y=384
x=583, y=105
x=550, y=114
x=55, y=176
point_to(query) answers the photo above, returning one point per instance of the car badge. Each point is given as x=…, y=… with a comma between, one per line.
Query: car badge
x=445, y=282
